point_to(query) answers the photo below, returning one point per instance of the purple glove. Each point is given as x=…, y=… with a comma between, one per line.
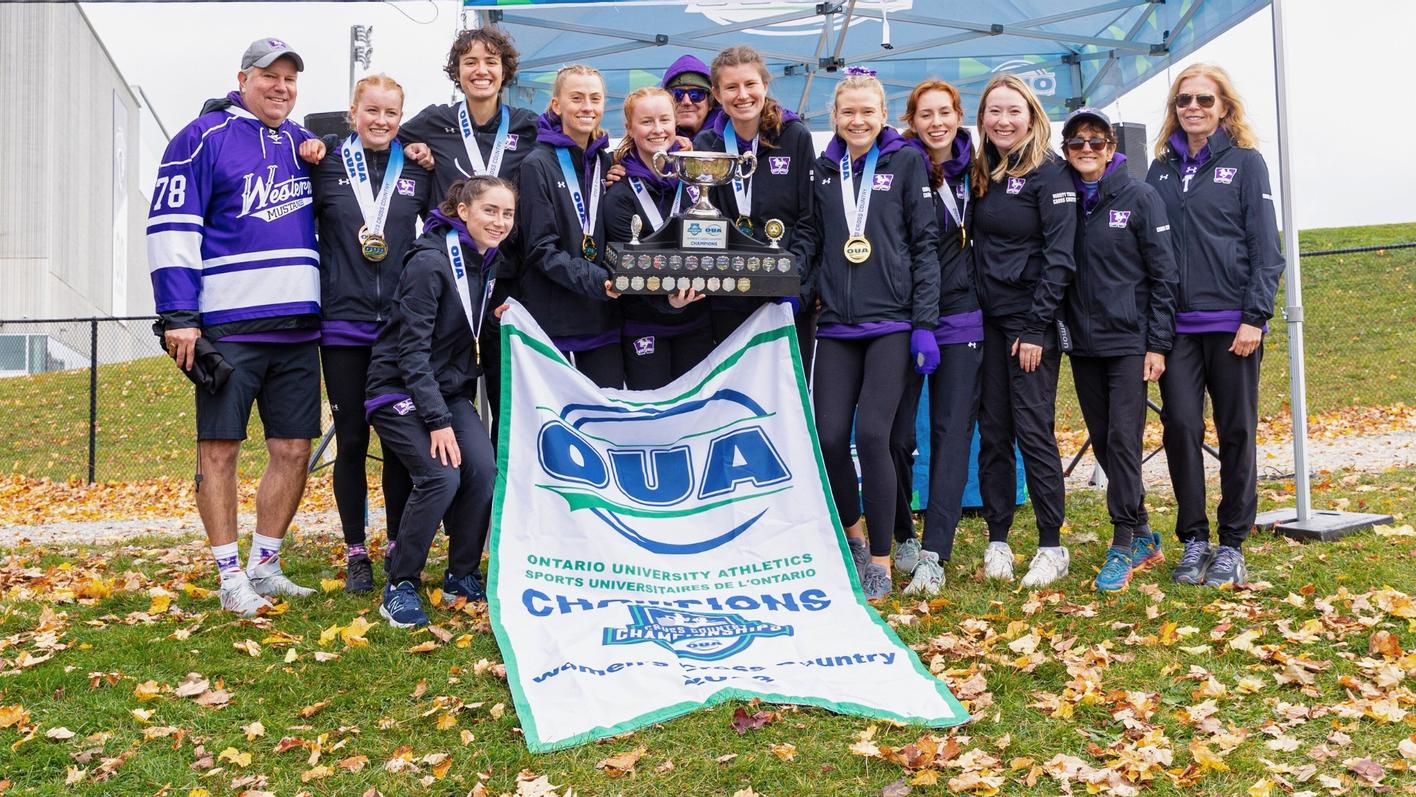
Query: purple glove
x=924, y=351
x=795, y=303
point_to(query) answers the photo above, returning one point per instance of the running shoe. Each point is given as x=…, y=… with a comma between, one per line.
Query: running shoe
x=1194, y=561
x=239, y=597
x=928, y=575
x=860, y=554
x=1048, y=565
x=907, y=555
x=469, y=587
x=359, y=575
x=1116, y=572
x=278, y=584
x=998, y=561
x=1145, y=550
x=401, y=606
x=876, y=582
x=1227, y=567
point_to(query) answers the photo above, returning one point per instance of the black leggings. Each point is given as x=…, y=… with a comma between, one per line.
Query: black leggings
x=953, y=408
x=652, y=361
x=1022, y=406
x=1199, y=364
x=346, y=371
x=869, y=376
x=460, y=498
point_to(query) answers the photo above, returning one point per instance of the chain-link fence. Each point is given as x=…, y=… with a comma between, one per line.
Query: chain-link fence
x=96, y=399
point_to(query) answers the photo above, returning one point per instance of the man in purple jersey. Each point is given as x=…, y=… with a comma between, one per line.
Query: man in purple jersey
x=233, y=259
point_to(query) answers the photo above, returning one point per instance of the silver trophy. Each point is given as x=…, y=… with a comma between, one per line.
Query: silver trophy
x=704, y=170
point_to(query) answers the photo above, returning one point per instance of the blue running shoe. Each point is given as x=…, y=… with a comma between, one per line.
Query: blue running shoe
x=1145, y=550
x=401, y=606
x=1116, y=572
x=469, y=587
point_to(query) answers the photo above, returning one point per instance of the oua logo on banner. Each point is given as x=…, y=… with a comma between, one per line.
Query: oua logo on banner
x=655, y=552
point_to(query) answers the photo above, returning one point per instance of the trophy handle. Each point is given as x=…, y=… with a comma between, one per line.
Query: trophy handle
x=657, y=163
x=751, y=160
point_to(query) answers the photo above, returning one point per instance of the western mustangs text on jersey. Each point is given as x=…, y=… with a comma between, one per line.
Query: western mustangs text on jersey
x=231, y=230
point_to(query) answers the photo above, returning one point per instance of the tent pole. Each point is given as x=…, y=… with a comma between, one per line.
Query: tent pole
x=1293, y=311
x=1302, y=524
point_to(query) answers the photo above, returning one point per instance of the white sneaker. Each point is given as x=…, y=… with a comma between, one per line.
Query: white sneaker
x=1047, y=566
x=998, y=561
x=241, y=598
x=277, y=584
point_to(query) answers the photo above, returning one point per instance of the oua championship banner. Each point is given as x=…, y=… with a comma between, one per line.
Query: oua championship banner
x=654, y=552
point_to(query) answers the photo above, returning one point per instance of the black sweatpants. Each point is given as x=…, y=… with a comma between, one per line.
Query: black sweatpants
x=652, y=361
x=953, y=409
x=1014, y=404
x=725, y=320
x=604, y=365
x=460, y=498
x=1197, y=364
x=1112, y=395
x=346, y=372
x=861, y=381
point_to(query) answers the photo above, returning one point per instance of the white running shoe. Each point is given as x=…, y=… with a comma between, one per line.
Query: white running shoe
x=1048, y=565
x=241, y=598
x=998, y=561
x=277, y=584
x=928, y=576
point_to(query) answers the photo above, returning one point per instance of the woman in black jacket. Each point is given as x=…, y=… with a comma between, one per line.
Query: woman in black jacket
x=935, y=116
x=1121, y=316
x=662, y=337
x=1023, y=225
x=565, y=283
x=780, y=188
x=367, y=203
x=1215, y=187
x=869, y=250
x=421, y=384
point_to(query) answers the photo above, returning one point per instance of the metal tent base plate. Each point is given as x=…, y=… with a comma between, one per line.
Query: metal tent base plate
x=1321, y=525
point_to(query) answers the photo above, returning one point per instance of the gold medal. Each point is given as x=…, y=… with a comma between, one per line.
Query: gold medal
x=745, y=225
x=963, y=238
x=857, y=249
x=589, y=248
x=374, y=248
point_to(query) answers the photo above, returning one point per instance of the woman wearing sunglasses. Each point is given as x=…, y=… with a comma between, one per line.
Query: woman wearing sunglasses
x=1121, y=314
x=1215, y=186
x=689, y=84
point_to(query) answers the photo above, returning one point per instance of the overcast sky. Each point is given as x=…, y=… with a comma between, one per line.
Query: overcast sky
x=1346, y=60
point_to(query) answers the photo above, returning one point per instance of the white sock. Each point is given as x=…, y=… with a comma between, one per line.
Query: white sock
x=265, y=555
x=228, y=562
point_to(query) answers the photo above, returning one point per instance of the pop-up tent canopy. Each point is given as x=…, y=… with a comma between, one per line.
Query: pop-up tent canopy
x=1071, y=53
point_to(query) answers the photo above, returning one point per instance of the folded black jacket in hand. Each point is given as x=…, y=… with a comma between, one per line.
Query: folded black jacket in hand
x=209, y=369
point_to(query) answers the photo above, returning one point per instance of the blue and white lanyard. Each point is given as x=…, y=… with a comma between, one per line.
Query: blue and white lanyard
x=356, y=166
x=572, y=184
x=469, y=141
x=862, y=198
x=742, y=189
x=646, y=202
x=464, y=289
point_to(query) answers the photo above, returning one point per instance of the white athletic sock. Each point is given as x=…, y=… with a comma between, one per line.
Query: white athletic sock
x=228, y=562
x=265, y=555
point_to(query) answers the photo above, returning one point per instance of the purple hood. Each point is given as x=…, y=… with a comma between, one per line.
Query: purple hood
x=961, y=154
x=1089, y=203
x=549, y=131
x=889, y=141
x=437, y=220
x=635, y=167
x=721, y=122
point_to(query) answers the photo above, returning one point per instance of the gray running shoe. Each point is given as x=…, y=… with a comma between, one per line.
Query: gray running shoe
x=876, y=582
x=860, y=554
x=907, y=555
x=1227, y=567
x=928, y=576
x=1194, y=561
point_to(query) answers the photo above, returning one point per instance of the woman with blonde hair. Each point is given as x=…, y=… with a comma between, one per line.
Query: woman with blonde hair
x=367, y=202
x=870, y=254
x=565, y=283
x=1215, y=187
x=1024, y=224
x=934, y=115
x=780, y=188
x=661, y=339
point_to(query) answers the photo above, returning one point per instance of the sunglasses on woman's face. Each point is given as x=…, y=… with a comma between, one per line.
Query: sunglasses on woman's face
x=1097, y=143
x=694, y=95
x=1184, y=100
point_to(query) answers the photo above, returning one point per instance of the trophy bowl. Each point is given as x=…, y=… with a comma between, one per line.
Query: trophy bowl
x=703, y=170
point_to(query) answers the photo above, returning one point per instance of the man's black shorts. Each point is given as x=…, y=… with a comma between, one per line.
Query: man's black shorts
x=283, y=379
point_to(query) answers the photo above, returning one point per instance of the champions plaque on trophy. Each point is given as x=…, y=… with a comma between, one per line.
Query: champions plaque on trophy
x=698, y=247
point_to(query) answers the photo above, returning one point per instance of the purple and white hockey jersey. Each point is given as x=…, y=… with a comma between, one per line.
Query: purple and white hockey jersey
x=231, y=232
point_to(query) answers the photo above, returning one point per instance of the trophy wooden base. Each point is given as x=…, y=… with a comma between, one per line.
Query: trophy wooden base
x=679, y=256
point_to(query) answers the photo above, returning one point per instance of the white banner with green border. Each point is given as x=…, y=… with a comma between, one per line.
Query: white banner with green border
x=655, y=552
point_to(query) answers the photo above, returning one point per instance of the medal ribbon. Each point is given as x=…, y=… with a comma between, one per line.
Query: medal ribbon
x=356, y=166
x=742, y=190
x=464, y=290
x=646, y=203
x=572, y=185
x=951, y=203
x=469, y=141
x=862, y=200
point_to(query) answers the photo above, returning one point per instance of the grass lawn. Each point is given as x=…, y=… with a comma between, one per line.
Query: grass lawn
x=1303, y=680
x=1361, y=346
